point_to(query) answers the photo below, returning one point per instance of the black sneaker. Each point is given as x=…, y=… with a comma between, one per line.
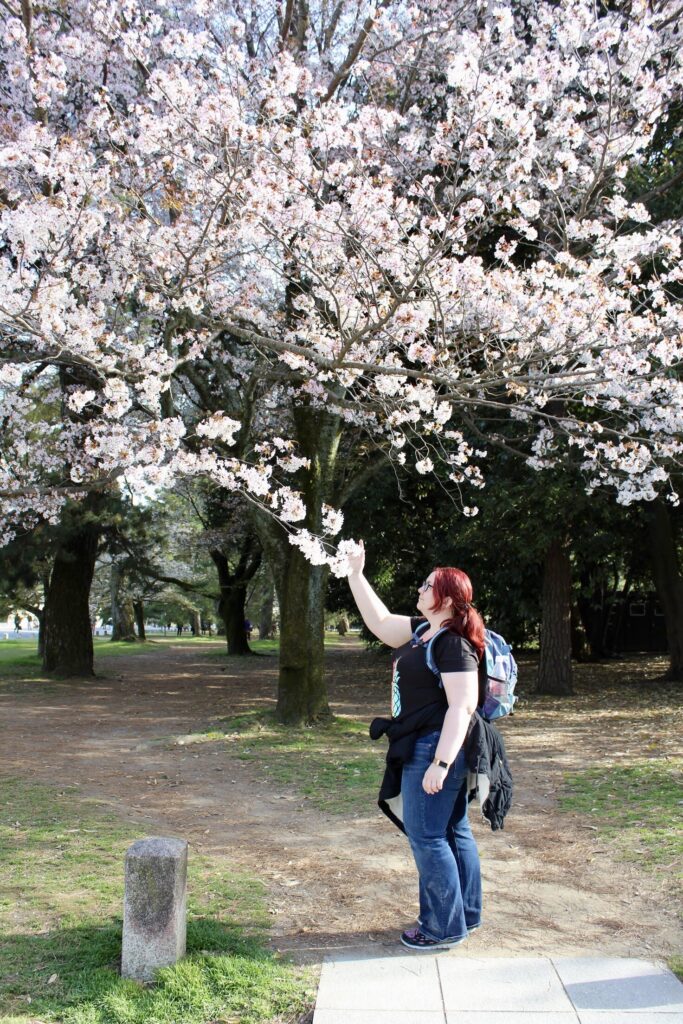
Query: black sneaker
x=470, y=927
x=415, y=939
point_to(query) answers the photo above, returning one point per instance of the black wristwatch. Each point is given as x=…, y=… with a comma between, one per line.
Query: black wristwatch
x=441, y=764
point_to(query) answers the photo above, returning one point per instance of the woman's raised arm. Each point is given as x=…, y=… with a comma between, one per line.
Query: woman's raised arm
x=392, y=630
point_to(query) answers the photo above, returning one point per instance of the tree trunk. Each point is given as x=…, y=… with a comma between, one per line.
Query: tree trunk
x=555, y=667
x=591, y=607
x=123, y=627
x=40, y=615
x=301, y=587
x=196, y=623
x=41, y=620
x=614, y=619
x=581, y=650
x=265, y=626
x=302, y=694
x=139, y=611
x=233, y=599
x=669, y=583
x=68, y=645
x=231, y=608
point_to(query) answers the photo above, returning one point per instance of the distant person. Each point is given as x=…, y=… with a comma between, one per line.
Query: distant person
x=426, y=733
x=248, y=629
x=179, y=628
x=17, y=623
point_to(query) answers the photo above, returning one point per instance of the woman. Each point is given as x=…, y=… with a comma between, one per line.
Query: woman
x=434, y=777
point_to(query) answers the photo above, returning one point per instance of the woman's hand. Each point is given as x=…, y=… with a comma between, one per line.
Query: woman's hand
x=434, y=779
x=357, y=561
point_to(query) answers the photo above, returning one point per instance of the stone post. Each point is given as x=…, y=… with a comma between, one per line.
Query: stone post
x=154, y=906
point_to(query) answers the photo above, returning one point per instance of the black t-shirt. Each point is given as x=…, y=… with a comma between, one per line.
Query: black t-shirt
x=413, y=684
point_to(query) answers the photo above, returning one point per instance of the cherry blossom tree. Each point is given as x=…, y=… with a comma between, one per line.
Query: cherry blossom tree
x=233, y=233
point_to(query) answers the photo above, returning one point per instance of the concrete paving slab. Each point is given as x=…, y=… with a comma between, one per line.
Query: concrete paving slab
x=502, y=984
x=362, y=982
x=619, y=984
x=359, y=987
x=378, y=1017
x=514, y=1017
x=628, y=1017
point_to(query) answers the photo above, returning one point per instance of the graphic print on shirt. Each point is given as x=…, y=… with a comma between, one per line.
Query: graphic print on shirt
x=395, y=692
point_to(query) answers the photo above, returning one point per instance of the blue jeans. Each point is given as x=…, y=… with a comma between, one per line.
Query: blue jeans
x=443, y=846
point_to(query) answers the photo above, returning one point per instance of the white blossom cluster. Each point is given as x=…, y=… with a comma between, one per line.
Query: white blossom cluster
x=317, y=552
x=172, y=178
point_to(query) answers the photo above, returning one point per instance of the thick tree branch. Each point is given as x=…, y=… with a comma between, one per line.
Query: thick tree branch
x=286, y=23
x=354, y=51
x=660, y=189
x=96, y=484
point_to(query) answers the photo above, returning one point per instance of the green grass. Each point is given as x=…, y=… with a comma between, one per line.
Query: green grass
x=676, y=965
x=335, y=766
x=331, y=640
x=60, y=927
x=18, y=658
x=637, y=806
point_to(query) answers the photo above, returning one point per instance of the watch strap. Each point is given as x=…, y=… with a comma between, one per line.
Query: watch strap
x=441, y=764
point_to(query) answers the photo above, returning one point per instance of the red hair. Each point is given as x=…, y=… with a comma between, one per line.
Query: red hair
x=465, y=620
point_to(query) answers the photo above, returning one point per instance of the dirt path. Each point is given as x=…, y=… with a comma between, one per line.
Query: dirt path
x=551, y=886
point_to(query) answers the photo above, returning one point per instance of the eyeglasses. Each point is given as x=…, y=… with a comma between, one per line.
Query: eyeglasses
x=426, y=586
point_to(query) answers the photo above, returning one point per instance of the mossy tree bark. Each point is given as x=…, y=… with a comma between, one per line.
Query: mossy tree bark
x=669, y=582
x=232, y=610
x=122, y=614
x=555, y=666
x=302, y=693
x=139, y=612
x=233, y=581
x=301, y=587
x=68, y=644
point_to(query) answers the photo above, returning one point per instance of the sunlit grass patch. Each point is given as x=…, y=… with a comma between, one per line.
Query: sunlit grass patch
x=332, y=642
x=335, y=765
x=638, y=806
x=61, y=917
x=220, y=653
x=675, y=964
x=20, y=661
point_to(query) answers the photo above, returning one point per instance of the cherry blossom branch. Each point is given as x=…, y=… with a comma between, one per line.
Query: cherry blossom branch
x=354, y=51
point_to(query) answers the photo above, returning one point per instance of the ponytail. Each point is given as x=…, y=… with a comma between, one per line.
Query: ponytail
x=465, y=620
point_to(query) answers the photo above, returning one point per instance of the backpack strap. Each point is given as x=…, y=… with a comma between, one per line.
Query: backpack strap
x=482, y=675
x=421, y=628
x=429, y=652
x=429, y=649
